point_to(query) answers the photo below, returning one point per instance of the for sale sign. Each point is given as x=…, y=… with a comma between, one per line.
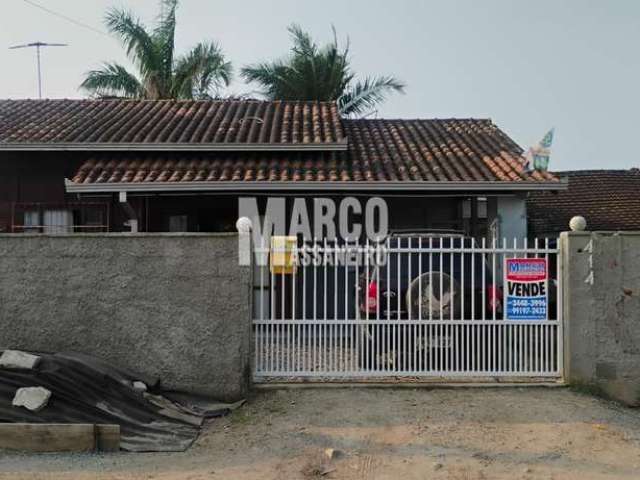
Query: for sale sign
x=526, y=288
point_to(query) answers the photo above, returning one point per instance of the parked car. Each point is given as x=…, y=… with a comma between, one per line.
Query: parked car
x=426, y=276
x=445, y=280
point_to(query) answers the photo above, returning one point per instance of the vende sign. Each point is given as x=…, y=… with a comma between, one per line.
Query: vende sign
x=526, y=288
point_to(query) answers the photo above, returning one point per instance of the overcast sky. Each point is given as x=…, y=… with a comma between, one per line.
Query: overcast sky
x=527, y=65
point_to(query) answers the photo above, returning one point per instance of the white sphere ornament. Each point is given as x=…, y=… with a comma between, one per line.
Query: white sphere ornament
x=578, y=224
x=243, y=225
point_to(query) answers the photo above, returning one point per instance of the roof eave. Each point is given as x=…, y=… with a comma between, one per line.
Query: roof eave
x=342, y=145
x=255, y=186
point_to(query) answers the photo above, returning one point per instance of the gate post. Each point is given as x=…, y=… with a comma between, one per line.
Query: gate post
x=601, y=309
x=579, y=330
x=246, y=262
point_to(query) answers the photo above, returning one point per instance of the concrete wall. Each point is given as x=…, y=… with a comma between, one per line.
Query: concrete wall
x=170, y=306
x=602, y=312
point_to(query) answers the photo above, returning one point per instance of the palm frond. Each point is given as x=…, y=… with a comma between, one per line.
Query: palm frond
x=201, y=72
x=364, y=95
x=164, y=38
x=273, y=78
x=138, y=44
x=308, y=73
x=303, y=44
x=319, y=73
x=113, y=80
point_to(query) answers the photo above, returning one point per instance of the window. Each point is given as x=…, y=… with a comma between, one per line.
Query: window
x=48, y=221
x=31, y=221
x=482, y=208
x=65, y=217
x=58, y=221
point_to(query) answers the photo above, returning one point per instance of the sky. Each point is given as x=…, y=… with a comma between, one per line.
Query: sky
x=528, y=65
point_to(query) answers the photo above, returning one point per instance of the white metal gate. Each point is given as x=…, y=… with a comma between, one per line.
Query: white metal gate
x=410, y=307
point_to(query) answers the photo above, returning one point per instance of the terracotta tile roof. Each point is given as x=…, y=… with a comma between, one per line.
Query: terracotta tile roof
x=190, y=123
x=367, y=150
x=407, y=151
x=247, y=167
x=435, y=150
x=608, y=199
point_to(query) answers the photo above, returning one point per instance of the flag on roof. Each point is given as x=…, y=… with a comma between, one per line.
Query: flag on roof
x=548, y=139
x=538, y=155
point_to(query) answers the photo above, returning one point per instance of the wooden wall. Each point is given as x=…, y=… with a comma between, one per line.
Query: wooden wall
x=33, y=177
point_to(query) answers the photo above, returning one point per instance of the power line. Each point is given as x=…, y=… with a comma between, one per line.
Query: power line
x=64, y=17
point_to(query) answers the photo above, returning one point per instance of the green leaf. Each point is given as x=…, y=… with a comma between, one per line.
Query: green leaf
x=323, y=73
x=113, y=80
x=197, y=74
x=363, y=96
x=201, y=72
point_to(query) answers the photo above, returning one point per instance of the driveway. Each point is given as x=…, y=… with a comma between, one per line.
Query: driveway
x=465, y=434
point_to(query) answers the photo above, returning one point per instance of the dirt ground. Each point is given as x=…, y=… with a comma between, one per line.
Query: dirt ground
x=460, y=434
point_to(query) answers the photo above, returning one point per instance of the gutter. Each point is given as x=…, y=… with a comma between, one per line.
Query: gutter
x=342, y=145
x=244, y=186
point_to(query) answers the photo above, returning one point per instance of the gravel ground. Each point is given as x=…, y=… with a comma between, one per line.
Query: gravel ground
x=389, y=433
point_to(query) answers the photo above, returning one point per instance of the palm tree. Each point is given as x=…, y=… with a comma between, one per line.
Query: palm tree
x=161, y=74
x=320, y=73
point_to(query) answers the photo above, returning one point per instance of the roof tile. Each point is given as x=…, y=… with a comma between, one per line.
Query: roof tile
x=608, y=199
x=168, y=122
x=379, y=150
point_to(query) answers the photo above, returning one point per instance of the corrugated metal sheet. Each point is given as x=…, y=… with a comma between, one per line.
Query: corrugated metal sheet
x=86, y=390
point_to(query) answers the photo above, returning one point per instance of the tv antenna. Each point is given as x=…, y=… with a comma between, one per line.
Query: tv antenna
x=37, y=46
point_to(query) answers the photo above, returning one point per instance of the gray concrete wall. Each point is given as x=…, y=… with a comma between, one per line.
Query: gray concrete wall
x=602, y=312
x=170, y=306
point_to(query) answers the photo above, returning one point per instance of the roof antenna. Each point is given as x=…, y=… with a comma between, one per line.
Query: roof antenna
x=37, y=46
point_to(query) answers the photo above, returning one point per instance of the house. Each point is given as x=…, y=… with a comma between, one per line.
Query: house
x=118, y=165
x=607, y=199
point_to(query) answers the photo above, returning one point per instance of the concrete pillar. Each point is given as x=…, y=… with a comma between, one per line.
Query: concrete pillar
x=579, y=325
x=601, y=280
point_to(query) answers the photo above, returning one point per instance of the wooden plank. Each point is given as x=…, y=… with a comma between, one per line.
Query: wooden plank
x=107, y=438
x=48, y=437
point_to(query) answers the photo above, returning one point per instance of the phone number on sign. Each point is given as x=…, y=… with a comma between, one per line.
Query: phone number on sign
x=525, y=302
x=528, y=311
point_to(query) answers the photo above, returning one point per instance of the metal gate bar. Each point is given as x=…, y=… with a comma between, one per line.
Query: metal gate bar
x=425, y=307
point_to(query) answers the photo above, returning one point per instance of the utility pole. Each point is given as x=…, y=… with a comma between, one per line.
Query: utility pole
x=37, y=46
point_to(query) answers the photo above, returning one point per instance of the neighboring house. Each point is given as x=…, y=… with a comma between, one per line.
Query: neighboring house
x=607, y=199
x=109, y=165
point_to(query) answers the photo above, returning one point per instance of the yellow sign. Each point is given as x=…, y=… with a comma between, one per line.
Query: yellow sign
x=283, y=254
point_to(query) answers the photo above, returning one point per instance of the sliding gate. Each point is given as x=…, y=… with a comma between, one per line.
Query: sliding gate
x=409, y=308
